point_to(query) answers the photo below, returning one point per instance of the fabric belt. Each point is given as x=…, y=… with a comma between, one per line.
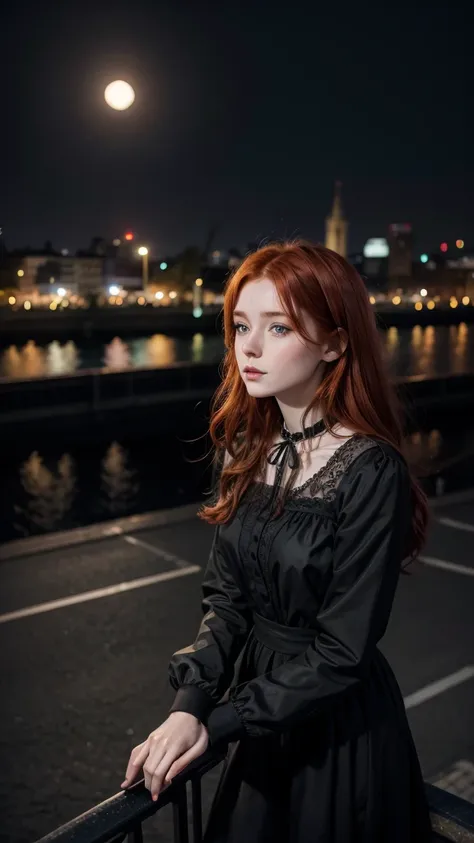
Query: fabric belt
x=280, y=638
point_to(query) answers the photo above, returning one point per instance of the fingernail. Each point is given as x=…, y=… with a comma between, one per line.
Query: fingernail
x=155, y=797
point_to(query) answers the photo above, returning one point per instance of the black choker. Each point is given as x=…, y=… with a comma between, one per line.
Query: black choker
x=285, y=452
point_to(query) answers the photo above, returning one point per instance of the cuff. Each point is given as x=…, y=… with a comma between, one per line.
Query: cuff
x=194, y=700
x=224, y=724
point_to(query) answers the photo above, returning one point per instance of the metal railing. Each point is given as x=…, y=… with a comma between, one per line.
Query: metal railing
x=122, y=816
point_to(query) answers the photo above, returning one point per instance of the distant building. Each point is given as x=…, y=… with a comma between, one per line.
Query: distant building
x=336, y=225
x=47, y=273
x=375, y=261
x=400, y=240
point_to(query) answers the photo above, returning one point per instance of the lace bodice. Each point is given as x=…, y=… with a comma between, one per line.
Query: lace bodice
x=324, y=483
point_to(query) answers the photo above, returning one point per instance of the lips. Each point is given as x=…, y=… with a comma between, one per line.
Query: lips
x=251, y=369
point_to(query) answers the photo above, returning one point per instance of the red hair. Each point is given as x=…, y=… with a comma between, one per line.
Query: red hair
x=355, y=390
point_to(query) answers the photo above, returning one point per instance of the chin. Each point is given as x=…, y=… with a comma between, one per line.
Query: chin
x=257, y=390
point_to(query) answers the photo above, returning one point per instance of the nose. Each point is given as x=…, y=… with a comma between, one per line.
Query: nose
x=251, y=346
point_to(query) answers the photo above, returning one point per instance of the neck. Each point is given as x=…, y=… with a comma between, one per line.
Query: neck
x=293, y=416
x=294, y=403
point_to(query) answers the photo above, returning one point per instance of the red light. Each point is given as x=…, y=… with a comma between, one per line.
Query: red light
x=129, y=235
x=444, y=247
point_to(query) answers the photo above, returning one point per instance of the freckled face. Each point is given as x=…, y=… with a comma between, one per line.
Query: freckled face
x=265, y=340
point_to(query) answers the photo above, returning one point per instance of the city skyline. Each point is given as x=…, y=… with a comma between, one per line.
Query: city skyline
x=243, y=121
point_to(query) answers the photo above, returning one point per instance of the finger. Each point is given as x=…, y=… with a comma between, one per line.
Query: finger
x=135, y=763
x=159, y=774
x=179, y=765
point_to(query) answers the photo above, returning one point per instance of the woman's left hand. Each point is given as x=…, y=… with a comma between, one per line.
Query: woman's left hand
x=167, y=751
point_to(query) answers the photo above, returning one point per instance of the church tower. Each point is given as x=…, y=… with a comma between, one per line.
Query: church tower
x=336, y=225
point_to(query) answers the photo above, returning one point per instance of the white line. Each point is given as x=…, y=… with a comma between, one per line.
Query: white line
x=109, y=590
x=435, y=688
x=162, y=554
x=458, y=525
x=447, y=566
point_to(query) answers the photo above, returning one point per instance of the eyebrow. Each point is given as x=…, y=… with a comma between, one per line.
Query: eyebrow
x=269, y=313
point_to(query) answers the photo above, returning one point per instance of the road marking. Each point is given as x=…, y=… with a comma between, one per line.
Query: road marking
x=458, y=525
x=447, y=566
x=438, y=687
x=108, y=591
x=162, y=554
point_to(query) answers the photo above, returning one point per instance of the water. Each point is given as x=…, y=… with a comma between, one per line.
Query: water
x=59, y=485
x=430, y=350
x=52, y=485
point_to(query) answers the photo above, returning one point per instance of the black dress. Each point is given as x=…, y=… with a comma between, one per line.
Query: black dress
x=320, y=750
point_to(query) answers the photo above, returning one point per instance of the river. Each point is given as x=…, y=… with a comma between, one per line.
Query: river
x=430, y=350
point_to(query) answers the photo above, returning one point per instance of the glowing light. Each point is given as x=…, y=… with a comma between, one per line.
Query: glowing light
x=423, y=292
x=444, y=247
x=159, y=295
x=198, y=283
x=465, y=299
x=141, y=300
x=61, y=291
x=116, y=242
x=64, y=252
x=21, y=273
x=114, y=290
x=64, y=303
x=12, y=300
x=143, y=251
x=396, y=300
x=53, y=305
x=27, y=305
x=119, y=95
x=119, y=300
x=453, y=302
x=197, y=312
x=431, y=305
x=129, y=235
x=460, y=244
x=173, y=294
x=376, y=247
x=419, y=305
x=163, y=265
x=424, y=258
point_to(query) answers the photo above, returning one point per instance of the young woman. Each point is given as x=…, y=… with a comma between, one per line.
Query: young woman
x=315, y=513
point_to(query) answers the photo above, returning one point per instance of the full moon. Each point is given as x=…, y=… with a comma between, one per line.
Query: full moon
x=119, y=95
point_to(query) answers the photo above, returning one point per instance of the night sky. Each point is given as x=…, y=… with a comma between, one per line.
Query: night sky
x=246, y=113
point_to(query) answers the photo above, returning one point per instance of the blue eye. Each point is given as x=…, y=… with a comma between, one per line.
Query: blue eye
x=239, y=325
x=284, y=330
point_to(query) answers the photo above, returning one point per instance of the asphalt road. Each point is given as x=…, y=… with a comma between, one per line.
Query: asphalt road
x=84, y=677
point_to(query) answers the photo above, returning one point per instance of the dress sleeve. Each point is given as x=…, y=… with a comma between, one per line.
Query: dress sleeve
x=373, y=508
x=202, y=672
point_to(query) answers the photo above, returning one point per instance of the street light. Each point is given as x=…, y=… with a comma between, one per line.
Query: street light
x=143, y=252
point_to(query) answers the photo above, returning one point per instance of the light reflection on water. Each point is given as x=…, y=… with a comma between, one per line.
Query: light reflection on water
x=410, y=351
x=119, y=480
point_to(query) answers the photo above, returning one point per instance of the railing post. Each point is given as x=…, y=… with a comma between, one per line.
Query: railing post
x=135, y=836
x=197, y=809
x=180, y=815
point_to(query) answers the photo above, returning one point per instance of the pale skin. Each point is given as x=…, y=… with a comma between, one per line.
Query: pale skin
x=293, y=369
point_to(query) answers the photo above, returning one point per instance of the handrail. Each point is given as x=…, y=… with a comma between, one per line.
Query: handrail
x=452, y=818
x=110, y=821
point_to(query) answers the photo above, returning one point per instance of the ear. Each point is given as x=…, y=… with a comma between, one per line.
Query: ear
x=336, y=345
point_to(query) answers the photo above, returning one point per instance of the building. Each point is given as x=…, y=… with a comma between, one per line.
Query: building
x=336, y=225
x=400, y=241
x=46, y=273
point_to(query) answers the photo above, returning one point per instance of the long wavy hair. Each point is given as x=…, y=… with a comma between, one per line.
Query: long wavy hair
x=355, y=390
